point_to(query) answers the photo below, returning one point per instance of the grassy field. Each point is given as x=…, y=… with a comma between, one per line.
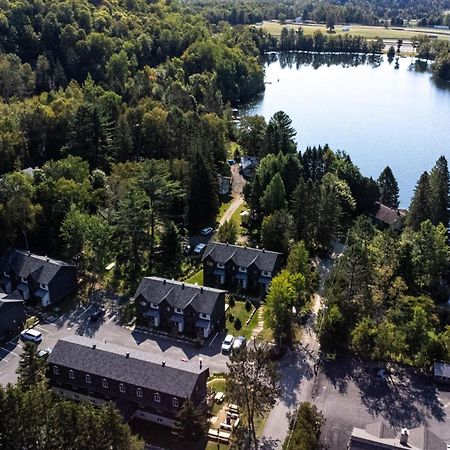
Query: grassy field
x=369, y=32
x=239, y=311
x=196, y=278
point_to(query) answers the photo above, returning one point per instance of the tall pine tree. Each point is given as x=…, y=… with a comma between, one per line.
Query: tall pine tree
x=388, y=188
x=419, y=210
x=440, y=191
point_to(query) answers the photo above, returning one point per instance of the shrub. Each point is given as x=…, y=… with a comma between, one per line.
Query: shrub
x=231, y=302
x=237, y=324
x=248, y=305
x=230, y=318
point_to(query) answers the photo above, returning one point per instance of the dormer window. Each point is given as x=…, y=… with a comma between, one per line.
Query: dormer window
x=88, y=379
x=105, y=383
x=43, y=286
x=265, y=273
x=242, y=269
x=175, y=402
x=157, y=398
x=179, y=310
x=71, y=374
x=56, y=370
x=220, y=265
x=154, y=305
x=6, y=274
x=139, y=392
x=23, y=280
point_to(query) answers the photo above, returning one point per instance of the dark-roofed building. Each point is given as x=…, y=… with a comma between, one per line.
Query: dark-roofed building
x=235, y=266
x=142, y=385
x=389, y=217
x=379, y=436
x=442, y=372
x=178, y=307
x=45, y=279
x=248, y=166
x=12, y=313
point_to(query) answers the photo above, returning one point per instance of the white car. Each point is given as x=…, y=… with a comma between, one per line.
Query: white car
x=31, y=335
x=198, y=250
x=227, y=343
x=206, y=231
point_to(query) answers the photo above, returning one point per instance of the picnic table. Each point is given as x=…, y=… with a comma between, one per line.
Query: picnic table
x=219, y=397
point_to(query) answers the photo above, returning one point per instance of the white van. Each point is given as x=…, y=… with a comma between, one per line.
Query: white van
x=31, y=335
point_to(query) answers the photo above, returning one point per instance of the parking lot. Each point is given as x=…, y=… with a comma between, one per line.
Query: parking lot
x=350, y=394
x=107, y=329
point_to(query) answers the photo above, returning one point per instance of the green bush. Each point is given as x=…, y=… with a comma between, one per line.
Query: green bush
x=237, y=324
x=230, y=318
x=248, y=305
x=232, y=302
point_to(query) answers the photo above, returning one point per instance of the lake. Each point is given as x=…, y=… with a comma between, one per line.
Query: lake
x=381, y=113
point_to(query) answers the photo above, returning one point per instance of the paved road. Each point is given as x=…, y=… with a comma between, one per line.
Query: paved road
x=297, y=375
x=78, y=322
x=238, y=183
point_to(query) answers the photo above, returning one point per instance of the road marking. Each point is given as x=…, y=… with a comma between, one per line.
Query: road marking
x=84, y=312
x=40, y=328
x=111, y=318
x=212, y=340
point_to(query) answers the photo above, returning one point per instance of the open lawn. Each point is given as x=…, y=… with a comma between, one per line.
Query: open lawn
x=238, y=311
x=369, y=32
x=196, y=278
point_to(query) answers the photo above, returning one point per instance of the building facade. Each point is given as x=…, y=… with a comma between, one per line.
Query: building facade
x=141, y=385
x=181, y=308
x=12, y=314
x=37, y=277
x=235, y=267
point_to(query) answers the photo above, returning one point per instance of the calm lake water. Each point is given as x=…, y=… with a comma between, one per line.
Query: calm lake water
x=379, y=114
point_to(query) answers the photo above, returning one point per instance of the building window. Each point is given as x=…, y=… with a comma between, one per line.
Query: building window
x=71, y=374
x=56, y=370
x=144, y=303
x=122, y=388
x=23, y=280
x=242, y=269
x=105, y=383
x=157, y=398
x=43, y=286
x=159, y=419
x=168, y=308
x=139, y=392
x=220, y=266
x=175, y=402
x=88, y=379
x=179, y=310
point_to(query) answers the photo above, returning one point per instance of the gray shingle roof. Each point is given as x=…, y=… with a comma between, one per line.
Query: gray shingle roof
x=242, y=256
x=179, y=294
x=139, y=369
x=24, y=264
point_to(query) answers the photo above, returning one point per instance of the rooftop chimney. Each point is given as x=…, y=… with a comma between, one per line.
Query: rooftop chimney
x=127, y=355
x=201, y=289
x=404, y=436
x=263, y=250
x=163, y=364
x=182, y=285
x=200, y=361
x=94, y=346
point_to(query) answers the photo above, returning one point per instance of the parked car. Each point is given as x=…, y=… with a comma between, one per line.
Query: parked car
x=207, y=231
x=97, y=314
x=44, y=353
x=239, y=343
x=199, y=249
x=227, y=344
x=31, y=335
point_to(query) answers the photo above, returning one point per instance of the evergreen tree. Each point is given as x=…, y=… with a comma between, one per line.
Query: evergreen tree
x=274, y=197
x=193, y=422
x=440, y=192
x=420, y=210
x=203, y=202
x=228, y=232
x=31, y=370
x=280, y=134
x=171, y=254
x=275, y=230
x=388, y=188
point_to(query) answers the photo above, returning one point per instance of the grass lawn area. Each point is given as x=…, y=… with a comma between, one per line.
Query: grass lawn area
x=369, y=32
x=239, y=311
x=223, y=207
x=196, y=278
x=214, y=446
x=218, y=384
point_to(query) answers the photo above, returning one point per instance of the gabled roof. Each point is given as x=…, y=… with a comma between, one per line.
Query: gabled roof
x=24, y=264
x=12, y=297
x=389, y=215
x=142, y=369
x=242, y=256
x=380, y=436
x=249, y=162
x=179, y=294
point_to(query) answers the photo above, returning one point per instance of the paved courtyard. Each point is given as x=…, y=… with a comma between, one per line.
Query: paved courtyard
x=107, y=329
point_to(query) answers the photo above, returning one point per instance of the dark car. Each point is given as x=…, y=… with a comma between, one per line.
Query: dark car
x=44, y=353
x=97, y=314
